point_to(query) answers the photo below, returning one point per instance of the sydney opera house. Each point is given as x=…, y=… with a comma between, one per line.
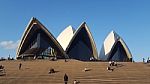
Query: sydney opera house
x=39, y=43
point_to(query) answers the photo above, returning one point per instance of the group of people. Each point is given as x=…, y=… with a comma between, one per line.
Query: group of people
x=50, y=72
x=2, y=70
x=111, y=64
x=148, y=60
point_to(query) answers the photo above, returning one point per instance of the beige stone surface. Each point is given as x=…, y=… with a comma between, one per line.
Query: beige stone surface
x=36, y=72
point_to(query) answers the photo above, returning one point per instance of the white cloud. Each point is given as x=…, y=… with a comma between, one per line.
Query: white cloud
x=9, y=44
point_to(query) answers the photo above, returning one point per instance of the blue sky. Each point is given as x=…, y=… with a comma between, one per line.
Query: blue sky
x=129, y=18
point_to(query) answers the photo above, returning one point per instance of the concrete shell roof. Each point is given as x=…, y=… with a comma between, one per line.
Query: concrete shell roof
x=65, y=37
x=28, y=29
x=94, y=49
x=110, y=42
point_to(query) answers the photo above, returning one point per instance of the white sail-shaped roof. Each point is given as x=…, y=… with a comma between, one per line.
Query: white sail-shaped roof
x=111, y=44
x=33, y=28
x=65, y=36
x=82, y=45
x=109, y=41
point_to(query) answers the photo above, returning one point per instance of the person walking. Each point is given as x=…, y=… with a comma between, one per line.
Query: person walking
x=65, y=79
x=20, y=65
x=143, y=60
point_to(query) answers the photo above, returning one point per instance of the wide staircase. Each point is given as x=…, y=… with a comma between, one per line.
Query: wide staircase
x=36, y=72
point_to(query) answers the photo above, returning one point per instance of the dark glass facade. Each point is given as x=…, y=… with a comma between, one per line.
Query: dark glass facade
x=118, y=53
x=39, y=43
x=80, y=47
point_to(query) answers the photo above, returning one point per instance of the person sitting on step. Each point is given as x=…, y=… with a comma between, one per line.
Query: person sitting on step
x=110, y=69
x=51, y=71
x=76, y=82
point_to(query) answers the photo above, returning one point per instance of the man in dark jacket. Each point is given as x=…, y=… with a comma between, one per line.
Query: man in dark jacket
x=65, y=78
x=20, y=65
